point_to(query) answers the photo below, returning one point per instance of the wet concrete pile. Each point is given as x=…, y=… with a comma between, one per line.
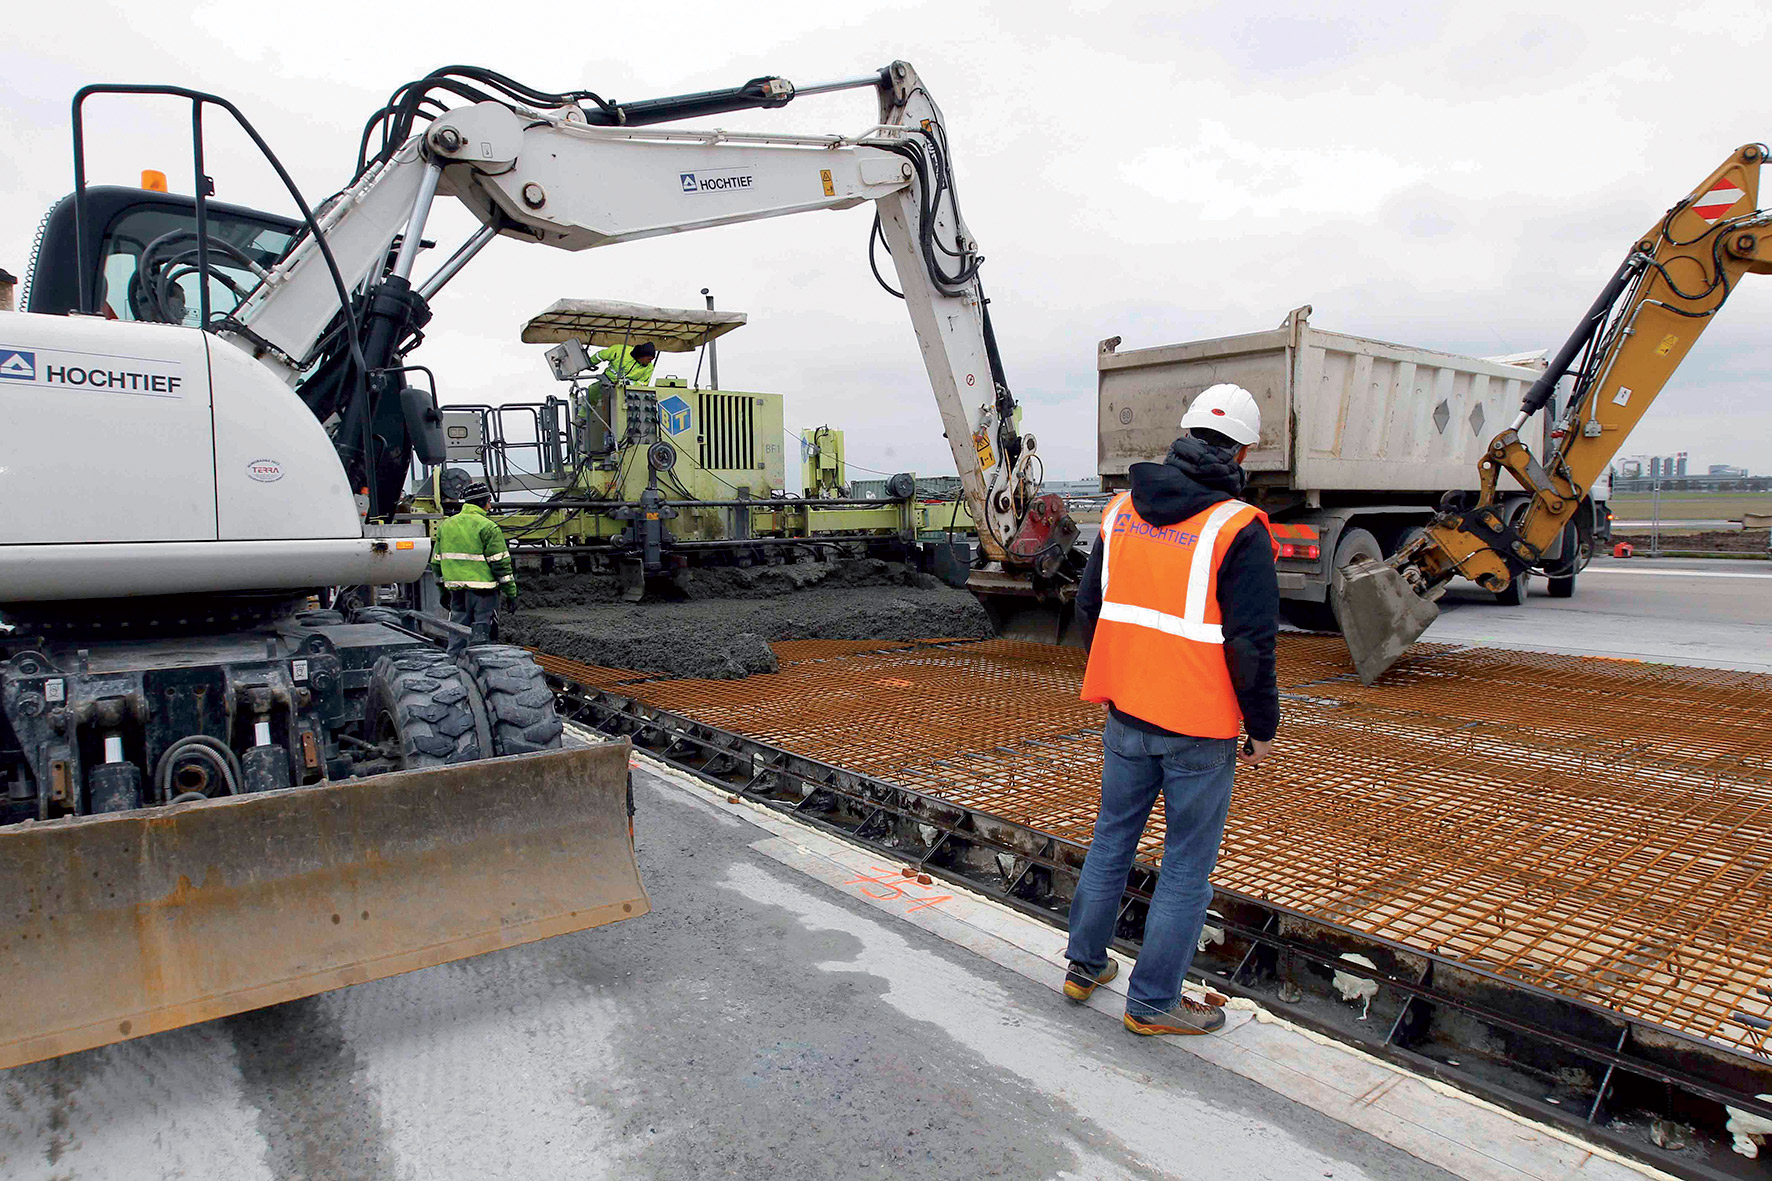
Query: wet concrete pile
x=719, y=622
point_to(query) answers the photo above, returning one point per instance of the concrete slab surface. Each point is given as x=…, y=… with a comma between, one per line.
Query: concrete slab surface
x=759, y=1022
x=1712, y=613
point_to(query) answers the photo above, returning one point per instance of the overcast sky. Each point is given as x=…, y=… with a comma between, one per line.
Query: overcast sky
x=1457, y=176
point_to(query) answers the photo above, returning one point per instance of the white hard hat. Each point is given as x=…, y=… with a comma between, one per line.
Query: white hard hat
x=1228, y=409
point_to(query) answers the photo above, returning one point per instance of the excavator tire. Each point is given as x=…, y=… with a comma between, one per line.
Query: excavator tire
x=377, y=615
x=518, y=700
x=420, y=700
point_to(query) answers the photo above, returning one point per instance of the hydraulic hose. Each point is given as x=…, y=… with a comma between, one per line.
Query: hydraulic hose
x=209, y=750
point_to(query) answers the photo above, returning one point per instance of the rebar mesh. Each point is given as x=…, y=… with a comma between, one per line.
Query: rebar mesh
x=1601, y=828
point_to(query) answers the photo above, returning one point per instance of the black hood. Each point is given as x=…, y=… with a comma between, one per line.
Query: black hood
x=1192, y=478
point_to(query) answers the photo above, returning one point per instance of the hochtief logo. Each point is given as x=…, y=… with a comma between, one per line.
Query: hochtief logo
x=675, y=412
x=17, y=365
x=716, y=182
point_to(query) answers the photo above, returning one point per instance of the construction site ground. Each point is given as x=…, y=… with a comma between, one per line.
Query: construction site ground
x=781, y=1012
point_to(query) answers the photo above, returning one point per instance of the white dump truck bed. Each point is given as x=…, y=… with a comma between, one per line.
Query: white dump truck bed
x=1338, y=412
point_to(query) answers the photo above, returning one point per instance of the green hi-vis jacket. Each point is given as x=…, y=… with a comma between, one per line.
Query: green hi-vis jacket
x=470, y=553
x=622, y=363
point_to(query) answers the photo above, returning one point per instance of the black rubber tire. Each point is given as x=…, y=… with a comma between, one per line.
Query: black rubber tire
x=1515, y=594
x=377, y=615
x=420, y=698
x=1354, y=545
x=518, y=700
x=1312, y=617
x=1561, y=588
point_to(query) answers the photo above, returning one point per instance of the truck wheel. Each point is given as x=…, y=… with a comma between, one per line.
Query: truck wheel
x=377, y=615
x=1578, y=548
x=517, y=696
x=1515, y=594
x=1312, y=617
x=1355, y=545
x=422, y=710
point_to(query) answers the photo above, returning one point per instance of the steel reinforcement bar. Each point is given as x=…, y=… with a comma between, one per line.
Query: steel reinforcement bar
x=1645, y=1090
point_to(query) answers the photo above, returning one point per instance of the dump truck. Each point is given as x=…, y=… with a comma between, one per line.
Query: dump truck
x=1362, y=442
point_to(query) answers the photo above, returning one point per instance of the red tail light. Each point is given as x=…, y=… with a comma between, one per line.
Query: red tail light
x=1299, y=549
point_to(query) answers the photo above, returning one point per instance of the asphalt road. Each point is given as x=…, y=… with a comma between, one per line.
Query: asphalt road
x=757, y=1024
x=1714, y=612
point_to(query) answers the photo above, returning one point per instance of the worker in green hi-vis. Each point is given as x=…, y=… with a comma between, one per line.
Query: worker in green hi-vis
x=471, y=560
x=622, y=365
x=630, y=364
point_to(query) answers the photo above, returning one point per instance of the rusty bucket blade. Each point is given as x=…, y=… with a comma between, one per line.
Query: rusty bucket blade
x=1380, y=615
x=119, y=925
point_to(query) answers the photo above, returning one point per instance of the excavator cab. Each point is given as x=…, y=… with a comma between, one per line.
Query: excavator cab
x=124, y=229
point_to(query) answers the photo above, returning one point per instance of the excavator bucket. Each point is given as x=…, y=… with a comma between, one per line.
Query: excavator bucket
x=1380, y=615
x=115, y=926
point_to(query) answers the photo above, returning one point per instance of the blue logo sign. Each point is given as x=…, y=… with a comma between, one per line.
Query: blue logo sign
x=687, y=179
x=675, y=412
x=17, y=365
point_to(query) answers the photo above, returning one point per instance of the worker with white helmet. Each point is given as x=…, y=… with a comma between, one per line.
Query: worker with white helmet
x=1180, y=603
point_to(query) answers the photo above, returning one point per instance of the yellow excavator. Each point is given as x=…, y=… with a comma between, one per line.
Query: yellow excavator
x=1627, y=346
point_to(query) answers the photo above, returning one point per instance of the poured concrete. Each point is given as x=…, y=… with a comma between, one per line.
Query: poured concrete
x=722, y=623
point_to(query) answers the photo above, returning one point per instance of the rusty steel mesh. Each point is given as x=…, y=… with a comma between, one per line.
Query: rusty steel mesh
x=1602, y=828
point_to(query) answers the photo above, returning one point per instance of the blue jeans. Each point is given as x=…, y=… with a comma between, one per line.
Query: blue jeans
x=1194, y=775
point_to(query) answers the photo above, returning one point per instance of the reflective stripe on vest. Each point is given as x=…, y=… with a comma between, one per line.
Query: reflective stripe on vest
x=1191, y=623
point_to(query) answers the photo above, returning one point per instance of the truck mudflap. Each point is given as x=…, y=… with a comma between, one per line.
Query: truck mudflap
x=115, y=926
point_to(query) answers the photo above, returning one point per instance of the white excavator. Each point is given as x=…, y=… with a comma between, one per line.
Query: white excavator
x=214, y=797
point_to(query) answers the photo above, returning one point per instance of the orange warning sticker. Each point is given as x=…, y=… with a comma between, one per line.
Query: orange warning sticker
x=981, y=443
x=830, y=189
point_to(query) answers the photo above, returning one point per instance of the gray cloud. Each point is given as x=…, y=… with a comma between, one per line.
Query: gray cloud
x=1450, y=175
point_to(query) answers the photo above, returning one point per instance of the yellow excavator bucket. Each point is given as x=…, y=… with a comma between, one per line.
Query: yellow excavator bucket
x=115, y=926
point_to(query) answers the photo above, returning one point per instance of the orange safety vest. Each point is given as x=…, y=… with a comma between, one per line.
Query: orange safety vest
x=1158, y=652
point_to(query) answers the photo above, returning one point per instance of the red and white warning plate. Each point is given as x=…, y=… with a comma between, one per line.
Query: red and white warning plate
x=1720, y=198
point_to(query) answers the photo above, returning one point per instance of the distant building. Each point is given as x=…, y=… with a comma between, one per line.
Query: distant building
x=1723, y=469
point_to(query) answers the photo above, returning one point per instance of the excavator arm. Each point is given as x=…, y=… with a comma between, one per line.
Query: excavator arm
x=579, y=176
x=1627, y=347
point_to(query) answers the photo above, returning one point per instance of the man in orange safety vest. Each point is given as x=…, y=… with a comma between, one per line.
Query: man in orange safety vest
x=1181, y=605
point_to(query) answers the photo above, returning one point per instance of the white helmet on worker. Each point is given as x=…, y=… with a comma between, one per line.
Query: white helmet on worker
x=1227, y=409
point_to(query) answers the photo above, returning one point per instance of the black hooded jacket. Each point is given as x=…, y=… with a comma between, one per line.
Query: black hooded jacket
x=1192, y=478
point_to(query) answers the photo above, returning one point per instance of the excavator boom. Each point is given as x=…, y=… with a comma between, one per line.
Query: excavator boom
x=1627, y=347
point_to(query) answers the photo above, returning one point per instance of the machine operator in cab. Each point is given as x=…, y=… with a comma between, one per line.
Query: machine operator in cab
x=471, y=560
x=1180, y=602
x=622, y=365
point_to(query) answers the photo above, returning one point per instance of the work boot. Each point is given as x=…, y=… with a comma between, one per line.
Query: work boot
x=1079, y=982
x=1185, y=1016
